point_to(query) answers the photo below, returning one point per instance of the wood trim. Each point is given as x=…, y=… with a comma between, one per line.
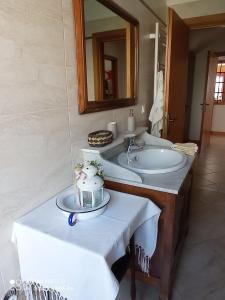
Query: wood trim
x=218, y=54
x=216, y=102
x=80, y=53
x=209, y=21
x=220, y=102
x=167, y=72
x=130, y=59
x=218, y=133
x=204, y=99
x=85, y=106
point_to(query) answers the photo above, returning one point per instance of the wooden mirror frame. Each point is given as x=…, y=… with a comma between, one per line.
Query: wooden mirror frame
x=85, y=106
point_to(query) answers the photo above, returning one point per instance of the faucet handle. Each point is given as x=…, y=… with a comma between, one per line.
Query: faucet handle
x=129, y=141
x=132, y=140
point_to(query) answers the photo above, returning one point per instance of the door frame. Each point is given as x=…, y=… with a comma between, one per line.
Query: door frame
x=171, y=14
x=217, y=54
x=204, y=99
x=204, y=22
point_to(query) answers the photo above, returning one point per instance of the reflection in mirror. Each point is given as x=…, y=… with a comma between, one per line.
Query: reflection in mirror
x=108, y=53
x=110, y=77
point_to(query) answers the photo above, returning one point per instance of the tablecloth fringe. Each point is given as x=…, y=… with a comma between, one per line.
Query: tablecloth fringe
x=35, y=291
x=143, y=259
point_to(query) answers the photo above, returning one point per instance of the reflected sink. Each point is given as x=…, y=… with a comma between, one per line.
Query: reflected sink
x=153, y=161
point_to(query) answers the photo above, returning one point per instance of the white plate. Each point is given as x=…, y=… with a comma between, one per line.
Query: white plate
x=68, y=203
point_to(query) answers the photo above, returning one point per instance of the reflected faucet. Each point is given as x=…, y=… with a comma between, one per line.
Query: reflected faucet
x=132, y=147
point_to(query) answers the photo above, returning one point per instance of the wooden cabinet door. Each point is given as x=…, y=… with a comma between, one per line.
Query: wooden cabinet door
x=176, y=77
x=208, y=102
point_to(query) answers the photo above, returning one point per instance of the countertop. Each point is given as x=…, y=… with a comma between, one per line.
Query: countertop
x=169, y=182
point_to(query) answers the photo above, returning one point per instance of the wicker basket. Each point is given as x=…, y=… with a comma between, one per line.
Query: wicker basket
x=100, y=138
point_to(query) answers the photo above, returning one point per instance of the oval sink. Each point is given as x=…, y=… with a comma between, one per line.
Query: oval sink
x=153, y=161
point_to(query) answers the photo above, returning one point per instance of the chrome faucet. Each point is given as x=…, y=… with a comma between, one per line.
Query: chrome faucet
x=132, y=147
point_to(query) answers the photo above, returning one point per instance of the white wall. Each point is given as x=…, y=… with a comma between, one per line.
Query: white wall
x=218, y=121
x=202, y=41
x=41, y=131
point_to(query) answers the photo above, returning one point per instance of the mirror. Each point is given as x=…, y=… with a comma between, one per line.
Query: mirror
x=107, y=55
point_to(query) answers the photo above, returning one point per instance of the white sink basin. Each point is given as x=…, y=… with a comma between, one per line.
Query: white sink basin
x=153, y=161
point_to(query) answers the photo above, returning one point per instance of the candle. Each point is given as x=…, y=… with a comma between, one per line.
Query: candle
x=112, y=126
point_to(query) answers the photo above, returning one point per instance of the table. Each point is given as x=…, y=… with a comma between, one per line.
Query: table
x=77, y=260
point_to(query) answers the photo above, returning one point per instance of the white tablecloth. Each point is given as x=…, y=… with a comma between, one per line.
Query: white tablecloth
x=77, y=260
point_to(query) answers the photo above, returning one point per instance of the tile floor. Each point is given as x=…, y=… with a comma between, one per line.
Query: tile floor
x=201, y=271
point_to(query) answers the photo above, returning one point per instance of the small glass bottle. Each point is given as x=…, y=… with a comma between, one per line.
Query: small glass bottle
x=131, y=121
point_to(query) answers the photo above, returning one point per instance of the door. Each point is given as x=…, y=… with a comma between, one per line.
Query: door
x=191, y=66
x=176, y=77
x=207, y=105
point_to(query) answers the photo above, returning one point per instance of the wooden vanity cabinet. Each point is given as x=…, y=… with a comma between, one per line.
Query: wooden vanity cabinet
x=173, y=227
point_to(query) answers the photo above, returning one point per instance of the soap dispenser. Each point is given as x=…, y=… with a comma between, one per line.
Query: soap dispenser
x=131, y=121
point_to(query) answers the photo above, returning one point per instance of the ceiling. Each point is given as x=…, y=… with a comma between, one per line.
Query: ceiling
x=197, y=8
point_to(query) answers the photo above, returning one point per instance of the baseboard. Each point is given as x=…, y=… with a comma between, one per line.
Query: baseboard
x=218, y=133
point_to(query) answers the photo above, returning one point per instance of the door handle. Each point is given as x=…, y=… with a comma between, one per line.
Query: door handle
x=172, y=120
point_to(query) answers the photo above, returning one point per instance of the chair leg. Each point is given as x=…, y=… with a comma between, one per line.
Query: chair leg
x=132, y=268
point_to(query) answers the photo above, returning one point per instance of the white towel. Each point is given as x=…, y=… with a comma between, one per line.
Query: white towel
x=76, y=261
x=156, y=114
x=187, y=148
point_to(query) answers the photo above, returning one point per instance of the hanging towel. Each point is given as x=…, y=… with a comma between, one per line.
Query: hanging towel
x=187, y=148
x=156, y=114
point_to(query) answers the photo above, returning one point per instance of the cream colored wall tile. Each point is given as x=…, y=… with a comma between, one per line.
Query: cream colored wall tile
x=9, y=49
x=69, y=32
x=34, y=30
x=19, y=98
x=31, y=29
x=35, y=151
x=15, y=72
x=47, y=8
x=67, y=7
x=43, y=54
x=72, y=86
x=54, y=76
x=47, y=32
x=14, y=9
x=81, y=125
x=70, y=51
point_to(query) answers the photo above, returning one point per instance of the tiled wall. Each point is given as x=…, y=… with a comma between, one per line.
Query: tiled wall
x=40, y=129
